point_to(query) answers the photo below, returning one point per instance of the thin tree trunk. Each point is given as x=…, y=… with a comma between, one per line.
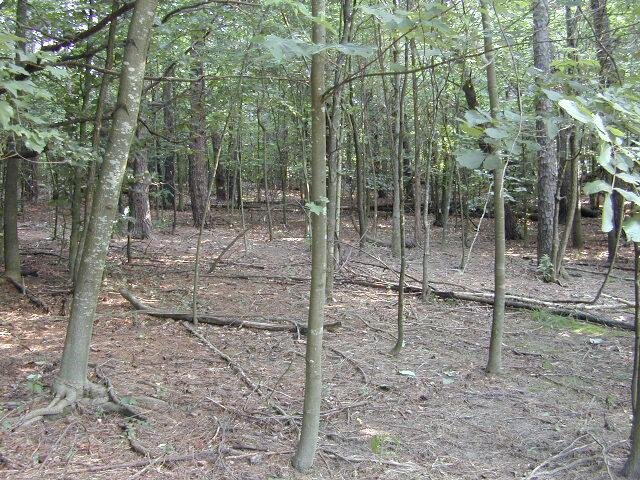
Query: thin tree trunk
x=417, y=151
x=334, y=135
x=265, y=172
x=305, y=451
x=494, y=364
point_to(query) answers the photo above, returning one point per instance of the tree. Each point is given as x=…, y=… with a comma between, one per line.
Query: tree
x=12, y=174
x=71, y=382
x=547, y=161
x=306, y=449
x=494, y=364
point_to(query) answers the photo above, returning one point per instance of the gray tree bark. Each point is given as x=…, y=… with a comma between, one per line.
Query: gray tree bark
x=72, y=378
x=305, y=451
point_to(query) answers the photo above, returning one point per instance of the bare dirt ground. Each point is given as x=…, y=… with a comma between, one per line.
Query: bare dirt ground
x=561, y=410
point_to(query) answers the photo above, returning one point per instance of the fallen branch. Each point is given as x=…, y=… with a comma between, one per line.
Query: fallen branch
x=289, y=325
x=176, y=457
x=511, y=301
x=237, y=369
x=214, y=264
x=27, y=293
x=352, y=362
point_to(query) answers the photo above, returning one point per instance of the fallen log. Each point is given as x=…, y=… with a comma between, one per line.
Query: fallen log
x=265, y=323
x=511, y=301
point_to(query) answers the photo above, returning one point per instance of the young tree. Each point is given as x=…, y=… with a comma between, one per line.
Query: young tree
x=495, y=347
x=306, y=449
x=72, y=381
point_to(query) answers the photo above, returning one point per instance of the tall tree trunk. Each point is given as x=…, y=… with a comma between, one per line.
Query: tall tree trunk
x=72, y=379
x=12, y=177
x=169, y=181
x=494, y=364
x=139, y=192
x=305, y=451
x=608, y=76
x=334, y=135
x=97, y=130
x=547, y=161
x=417, y=150
x=632, y=466
x=197, y=157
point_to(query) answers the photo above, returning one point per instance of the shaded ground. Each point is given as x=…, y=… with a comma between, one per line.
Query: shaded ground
x=560, y=411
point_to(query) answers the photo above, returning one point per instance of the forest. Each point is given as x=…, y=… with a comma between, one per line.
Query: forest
x=288, y=239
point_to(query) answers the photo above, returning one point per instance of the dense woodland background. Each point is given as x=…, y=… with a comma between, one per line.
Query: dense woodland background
x=445, y=193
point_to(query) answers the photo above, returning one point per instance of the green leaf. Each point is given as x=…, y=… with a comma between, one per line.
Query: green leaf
x=470, y=159
x=596, y=186
x=492, y=162
x=572, y=109
x=631, y=228
x=607, y=214
x=600, y=128
x=497, y=133
x=604, y=158
x=629, y=196
x=552, y=95
x=474, y=117
x=6, y=112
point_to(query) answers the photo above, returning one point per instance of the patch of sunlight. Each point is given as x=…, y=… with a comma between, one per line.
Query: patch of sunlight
x=557, y=322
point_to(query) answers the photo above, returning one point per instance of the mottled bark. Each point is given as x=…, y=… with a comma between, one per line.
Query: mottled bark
x=12, y=178
x=72, y=378
x=546, y=154
x=197, y=156
x=140, y=210
x=169, y=180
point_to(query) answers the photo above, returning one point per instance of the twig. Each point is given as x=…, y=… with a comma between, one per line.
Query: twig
x=352, y=362
x=215, y=263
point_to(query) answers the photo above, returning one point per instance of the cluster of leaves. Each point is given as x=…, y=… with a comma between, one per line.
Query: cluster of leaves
x=614, y=117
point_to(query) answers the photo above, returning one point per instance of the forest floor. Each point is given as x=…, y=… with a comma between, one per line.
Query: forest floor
x=561, y=410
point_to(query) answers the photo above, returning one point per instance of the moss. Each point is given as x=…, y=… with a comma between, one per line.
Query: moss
x=557, y=322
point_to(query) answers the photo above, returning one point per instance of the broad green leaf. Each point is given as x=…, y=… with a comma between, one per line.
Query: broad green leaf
x=596, y=186
x=631, y=228
x=473, y=132
x=474, y=117
x=552, y=95
x=604, y=158
x=600, y=128
x=632, y=178
x=629, y=196
x=492, y=161
x=572, y=109
x=497, y=133
x=607, y=214
x=470, y=159
x=6, y=112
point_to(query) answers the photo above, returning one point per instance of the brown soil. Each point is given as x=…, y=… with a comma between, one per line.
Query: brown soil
x=561, y=410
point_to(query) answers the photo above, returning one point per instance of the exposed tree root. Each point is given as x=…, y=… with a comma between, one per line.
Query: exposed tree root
x=122, y=408
x=289, y=325
x=33, y=299
x=65, y=397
